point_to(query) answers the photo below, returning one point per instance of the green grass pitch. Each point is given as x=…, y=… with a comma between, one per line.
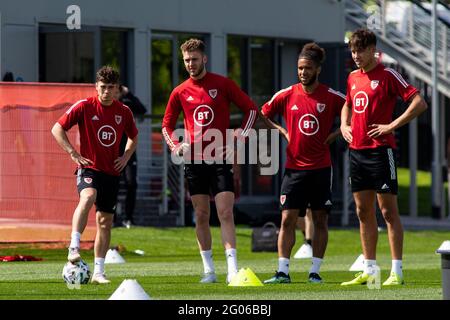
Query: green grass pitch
x=171, y=268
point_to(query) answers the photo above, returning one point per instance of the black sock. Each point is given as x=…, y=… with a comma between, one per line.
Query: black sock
x=308, y=241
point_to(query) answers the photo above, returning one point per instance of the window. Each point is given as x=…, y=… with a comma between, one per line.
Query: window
x=167, y=67
x=66, y=57
x=75, y=56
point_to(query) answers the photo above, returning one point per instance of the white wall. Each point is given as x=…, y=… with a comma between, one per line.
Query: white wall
x=320, y=20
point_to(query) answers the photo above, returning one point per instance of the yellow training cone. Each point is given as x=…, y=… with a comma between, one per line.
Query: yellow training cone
x=245, y=278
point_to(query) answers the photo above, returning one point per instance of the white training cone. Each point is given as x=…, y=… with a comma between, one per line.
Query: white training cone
x=305, y=252
x=113, y=256
x=129, y=290
x=444, y=248
x=358, y=265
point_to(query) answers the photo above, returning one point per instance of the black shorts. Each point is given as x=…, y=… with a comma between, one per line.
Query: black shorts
x=373, y=169
x=107, y=187
x=303, y=189
x=209, y=178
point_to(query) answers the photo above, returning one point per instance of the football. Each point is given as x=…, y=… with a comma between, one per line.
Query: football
x=76, y=273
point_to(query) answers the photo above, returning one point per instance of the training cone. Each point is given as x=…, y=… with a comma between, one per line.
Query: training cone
x=113, y=256
x=444, y=248
x=245, y=278
x=358, y=265
x=305, y=252
x=129, y=290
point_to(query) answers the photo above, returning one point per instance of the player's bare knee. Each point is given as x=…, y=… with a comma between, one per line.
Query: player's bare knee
x=389, y=216
x=104, y=222
x=288, y=223
x=88, y=198
x=201, y=217
x=225, y=215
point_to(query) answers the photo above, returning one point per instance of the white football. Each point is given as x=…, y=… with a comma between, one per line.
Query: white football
x=76, y=273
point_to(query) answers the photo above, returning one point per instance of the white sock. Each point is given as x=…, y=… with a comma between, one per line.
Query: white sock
x=315, y=266
x=99, y=265
x=397, y=267
x=231, y=260
x=75, y=240
x=208, y=264
x=368, y=266
x=283, y=265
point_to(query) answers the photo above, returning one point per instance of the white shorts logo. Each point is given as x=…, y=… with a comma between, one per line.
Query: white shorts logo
x=107, y=136
x=203, y=115
x=88, y=180
x=360, y=102
x=283, y=199
x=308, y=124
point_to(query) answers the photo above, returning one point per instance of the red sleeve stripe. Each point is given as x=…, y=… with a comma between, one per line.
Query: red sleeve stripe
x=337, y=93
x=398, y=77
x=167, y=138
x=74, y=105
x=278, y=93
x=250, y=122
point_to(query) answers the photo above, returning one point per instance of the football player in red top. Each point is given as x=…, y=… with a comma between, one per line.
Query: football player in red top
x=367, y=125
x=309, y=109
x=101, y=122
x=205, y=100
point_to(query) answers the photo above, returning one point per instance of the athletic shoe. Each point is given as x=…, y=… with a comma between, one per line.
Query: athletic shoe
x=394, y=280
x=127, y=224
x=99, y=278
x=360, y=278
x=74, y=254
x=209, y=277
x=279, y=277
x=230, y=276
x=314, y=278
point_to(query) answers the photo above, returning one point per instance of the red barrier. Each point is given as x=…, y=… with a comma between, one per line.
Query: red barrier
x=37, y=181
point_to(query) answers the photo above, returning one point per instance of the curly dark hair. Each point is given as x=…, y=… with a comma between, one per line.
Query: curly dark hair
x=193, y=45
x=107, y=74
x=361, y=39
x=312, y=51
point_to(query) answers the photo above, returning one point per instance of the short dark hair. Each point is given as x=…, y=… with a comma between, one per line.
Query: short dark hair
x=107, y=74
x=361, y=39
x=312, y=51
x=193, y=45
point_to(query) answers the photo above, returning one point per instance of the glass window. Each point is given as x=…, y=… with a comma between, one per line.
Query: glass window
x=66, y=57
x=114, y=51
x=162, y=82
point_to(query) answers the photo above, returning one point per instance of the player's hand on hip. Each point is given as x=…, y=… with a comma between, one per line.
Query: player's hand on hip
x=120, y=163
x=379, y=130
x=79, y=160
x=346, y=131
x=181, y=149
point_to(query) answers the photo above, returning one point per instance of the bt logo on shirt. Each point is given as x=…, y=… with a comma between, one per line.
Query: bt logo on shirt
x=107, y=136
x=308, y=124
x=203, y=115
x=360, y=102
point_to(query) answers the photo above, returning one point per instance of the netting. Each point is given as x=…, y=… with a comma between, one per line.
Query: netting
x=37, y=181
